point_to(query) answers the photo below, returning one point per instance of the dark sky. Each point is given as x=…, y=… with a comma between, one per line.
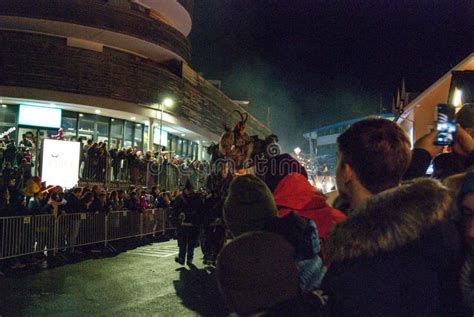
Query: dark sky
x=318, y=62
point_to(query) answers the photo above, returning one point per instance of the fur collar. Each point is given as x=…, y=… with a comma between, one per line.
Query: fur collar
x=390, y=220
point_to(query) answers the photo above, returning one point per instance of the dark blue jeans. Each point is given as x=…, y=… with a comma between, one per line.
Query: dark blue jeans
x=187, y=239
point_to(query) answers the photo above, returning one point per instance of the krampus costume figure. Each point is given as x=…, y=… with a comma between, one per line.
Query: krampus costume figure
x=235, y=154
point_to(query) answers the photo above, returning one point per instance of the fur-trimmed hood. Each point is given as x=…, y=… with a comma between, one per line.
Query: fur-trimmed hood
x=390, y=220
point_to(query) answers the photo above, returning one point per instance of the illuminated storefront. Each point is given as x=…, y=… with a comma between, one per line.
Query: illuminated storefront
x=44, y=122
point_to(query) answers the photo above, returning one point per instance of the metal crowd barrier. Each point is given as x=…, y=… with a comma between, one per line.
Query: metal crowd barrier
x=26, y=235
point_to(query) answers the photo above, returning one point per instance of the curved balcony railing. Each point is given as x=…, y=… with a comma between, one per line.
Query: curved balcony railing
x=96, y=14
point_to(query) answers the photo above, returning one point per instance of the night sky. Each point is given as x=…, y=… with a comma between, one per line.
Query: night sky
x=318, y=62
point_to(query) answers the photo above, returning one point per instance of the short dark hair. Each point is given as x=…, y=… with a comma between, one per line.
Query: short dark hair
x=77, y=190
x=378, y=151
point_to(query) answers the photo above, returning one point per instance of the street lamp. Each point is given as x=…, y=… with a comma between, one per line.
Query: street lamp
x=297, y=151
x=167, y=102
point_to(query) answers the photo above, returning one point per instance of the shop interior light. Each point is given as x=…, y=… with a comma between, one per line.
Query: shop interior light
x=4, y=106
x=457, y=99
x=112, y=120
x=81, y=115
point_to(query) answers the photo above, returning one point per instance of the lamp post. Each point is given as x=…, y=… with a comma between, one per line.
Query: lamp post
x=167, y=102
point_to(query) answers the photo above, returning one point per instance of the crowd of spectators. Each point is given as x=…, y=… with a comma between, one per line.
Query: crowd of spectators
x=16, y=160
x=39, y=199
x=396, y=242
x=23, y=193
x=132, y=165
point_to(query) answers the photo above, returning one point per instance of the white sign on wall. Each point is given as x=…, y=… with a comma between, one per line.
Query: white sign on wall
x=61, y=163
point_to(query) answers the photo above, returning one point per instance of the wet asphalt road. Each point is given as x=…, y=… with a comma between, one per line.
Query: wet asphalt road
x=144, y=281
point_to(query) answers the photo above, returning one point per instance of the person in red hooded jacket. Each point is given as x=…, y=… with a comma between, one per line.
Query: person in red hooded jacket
x=292, y=192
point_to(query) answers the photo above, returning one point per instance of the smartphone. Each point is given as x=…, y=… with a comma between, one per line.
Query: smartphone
x=445, y=125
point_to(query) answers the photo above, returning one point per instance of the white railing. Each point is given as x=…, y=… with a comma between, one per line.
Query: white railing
x=24, y=235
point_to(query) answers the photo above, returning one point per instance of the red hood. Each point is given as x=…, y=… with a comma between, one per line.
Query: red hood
x=295, y=193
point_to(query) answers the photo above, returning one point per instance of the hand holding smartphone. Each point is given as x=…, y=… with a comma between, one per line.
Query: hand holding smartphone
x=445, y=125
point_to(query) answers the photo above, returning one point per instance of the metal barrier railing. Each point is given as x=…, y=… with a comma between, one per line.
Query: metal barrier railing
x=25, y=235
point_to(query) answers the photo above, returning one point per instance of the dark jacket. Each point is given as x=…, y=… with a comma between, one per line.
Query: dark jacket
x=448, y=164
x=420, y=162
x=35, y=205
x=186, y=210
x=397, y=255
x=98, y=206
x=444, y=165
x=10, y=153
x=75, y=205
x=132, y=204
x=302, y=234
x=212, y=211
x=467, y=284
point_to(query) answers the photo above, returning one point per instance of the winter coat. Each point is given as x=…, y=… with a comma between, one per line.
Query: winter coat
x=116, y=205
x=75, y=205
x=132, y=204
x=145, y=203
x=186, y=211
x=98, y=206
x=302, y=234
x=10, y=153
x=397, y=255
x=31, y=187
x=295, y=193
x=467, y=284
x=212, y=212
x=35, y=205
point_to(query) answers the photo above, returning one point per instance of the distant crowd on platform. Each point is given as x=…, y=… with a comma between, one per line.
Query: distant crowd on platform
x=394, y=242
x=98, y=162
x=131, y=164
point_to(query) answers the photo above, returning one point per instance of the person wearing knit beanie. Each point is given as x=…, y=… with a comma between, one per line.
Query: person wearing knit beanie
x=248, y=205
x=256, y=272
